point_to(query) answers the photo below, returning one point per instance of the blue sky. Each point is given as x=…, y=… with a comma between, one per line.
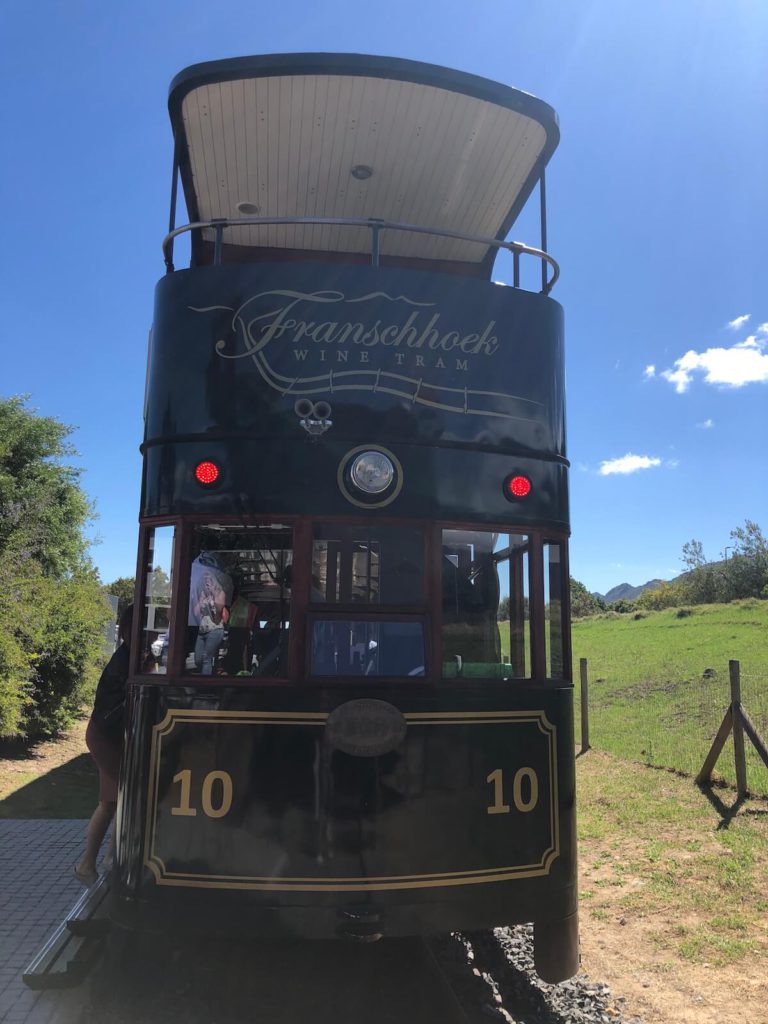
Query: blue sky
x=658, y=215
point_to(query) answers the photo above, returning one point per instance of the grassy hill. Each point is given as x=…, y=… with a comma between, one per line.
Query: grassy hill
x=659, y=682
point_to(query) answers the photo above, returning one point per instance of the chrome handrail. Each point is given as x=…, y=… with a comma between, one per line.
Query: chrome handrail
x=376, y=226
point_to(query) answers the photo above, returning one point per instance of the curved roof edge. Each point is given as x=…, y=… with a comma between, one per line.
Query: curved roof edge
x=396, y=68
x=355, y=65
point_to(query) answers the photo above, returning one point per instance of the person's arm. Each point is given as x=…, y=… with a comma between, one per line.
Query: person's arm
x=220, y=602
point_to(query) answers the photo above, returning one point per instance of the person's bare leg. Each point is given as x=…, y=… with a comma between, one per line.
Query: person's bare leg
x=109, y=856
x=94, y=836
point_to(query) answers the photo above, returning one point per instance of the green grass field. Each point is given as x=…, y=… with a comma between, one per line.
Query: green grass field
x=659, y=684
x=683, y=871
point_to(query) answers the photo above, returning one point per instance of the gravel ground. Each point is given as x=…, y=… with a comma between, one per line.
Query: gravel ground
x=503, y=960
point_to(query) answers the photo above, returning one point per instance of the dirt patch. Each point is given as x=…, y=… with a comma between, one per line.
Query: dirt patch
x=661, y=991
x=673, y=906
x=51, y=779
x=17, y=758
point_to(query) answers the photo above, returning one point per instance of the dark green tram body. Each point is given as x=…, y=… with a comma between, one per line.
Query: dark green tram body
x=320, y=801
x=461, y=380
x=322, y=843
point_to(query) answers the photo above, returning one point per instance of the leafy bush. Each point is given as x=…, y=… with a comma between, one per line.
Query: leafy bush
x=52, y=608
x=623, y=606
x=583, y=603
x=71, y=656
x=668, y=595
x=743, y=575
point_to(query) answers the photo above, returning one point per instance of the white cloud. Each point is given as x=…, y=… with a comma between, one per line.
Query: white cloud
x=706, y=425
x=649, y=372
x=742, y=363
x=628, y=464
x=763, y=329
x=739, y=321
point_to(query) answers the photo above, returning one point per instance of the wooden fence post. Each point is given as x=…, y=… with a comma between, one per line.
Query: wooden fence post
x=735, y=718
x=584, y=704
x=738, y=728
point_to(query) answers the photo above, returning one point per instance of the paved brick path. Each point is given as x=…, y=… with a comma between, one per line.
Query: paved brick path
x=37, y=889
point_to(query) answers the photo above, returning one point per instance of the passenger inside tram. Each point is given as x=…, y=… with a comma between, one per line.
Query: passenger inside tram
x=239, y=603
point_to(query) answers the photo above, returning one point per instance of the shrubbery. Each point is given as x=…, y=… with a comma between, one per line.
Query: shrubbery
x=668, y=595
x=582, y=602
x=742, y=575
x=52, y=608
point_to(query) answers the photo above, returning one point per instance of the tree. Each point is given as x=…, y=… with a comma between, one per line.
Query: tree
x=747, y=569
x=52, y=608
x=693, y=554
x=584, y=603
x=123, y=589
x=744, y=574
x=43, y=511
x=701, y=583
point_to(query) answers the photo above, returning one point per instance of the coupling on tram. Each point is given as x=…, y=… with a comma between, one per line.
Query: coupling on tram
x=349, y=706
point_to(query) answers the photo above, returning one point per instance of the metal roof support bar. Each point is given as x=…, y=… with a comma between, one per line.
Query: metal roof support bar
x=172, y=215
x=219, y=226
x=543, y=209
x=375, y=242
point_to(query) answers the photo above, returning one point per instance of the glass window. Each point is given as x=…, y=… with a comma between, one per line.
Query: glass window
x=239, y=601
x=553, y=610
x=344, y=647
x=367, y=564
x=157, y=600
x=486, y=627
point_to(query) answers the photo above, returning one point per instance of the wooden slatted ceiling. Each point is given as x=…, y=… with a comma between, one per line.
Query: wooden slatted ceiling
x=287, y=144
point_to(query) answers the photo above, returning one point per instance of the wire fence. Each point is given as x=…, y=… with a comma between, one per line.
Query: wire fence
x=672, y=724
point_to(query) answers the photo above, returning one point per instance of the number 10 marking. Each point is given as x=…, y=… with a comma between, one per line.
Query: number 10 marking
x=184, y=807
x=496, y=779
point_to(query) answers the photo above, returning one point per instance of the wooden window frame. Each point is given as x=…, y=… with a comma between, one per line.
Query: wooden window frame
x=303, y=610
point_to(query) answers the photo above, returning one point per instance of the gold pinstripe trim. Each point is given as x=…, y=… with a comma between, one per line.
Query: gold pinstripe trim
x=175, y=716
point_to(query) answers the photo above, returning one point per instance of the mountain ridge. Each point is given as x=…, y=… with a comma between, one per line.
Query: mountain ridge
x=626, y=592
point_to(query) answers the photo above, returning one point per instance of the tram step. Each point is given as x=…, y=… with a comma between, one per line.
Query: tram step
x=72, y=949
x=88, y=916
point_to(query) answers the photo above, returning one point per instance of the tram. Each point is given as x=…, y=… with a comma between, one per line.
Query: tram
x=350, y=699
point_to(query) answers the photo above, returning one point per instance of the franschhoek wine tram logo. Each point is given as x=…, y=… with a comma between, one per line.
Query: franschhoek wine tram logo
x=334, y=348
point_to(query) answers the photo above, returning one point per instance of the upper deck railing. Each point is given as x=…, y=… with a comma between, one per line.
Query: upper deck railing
x=376, y=227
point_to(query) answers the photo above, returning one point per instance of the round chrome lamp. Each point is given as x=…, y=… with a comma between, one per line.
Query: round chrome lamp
x=372, y=472
x=370, y=477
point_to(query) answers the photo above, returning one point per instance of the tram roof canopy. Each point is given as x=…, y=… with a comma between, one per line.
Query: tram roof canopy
x=295, y=135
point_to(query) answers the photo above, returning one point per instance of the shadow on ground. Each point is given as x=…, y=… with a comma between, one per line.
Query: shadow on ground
x=68, y=791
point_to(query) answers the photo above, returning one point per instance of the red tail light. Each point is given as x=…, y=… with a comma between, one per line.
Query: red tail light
x=517, y=487
x=206, y=473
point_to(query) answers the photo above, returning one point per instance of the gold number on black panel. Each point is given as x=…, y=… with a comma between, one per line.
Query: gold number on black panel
x=207, y=797
x=214, y=804
x=525, y=791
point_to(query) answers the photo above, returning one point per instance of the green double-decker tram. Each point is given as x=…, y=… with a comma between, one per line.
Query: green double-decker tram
x=350, y=701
